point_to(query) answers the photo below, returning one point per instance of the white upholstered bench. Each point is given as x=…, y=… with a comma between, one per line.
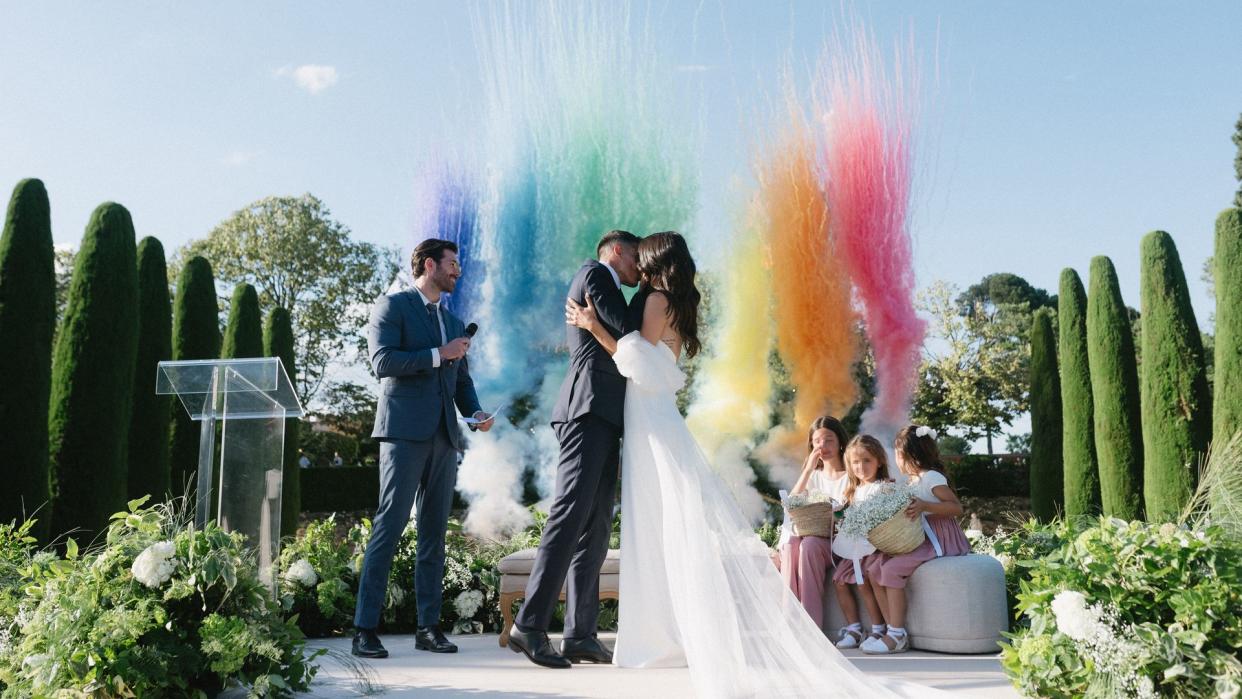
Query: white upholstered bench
x=957, y=605
x=515, y=572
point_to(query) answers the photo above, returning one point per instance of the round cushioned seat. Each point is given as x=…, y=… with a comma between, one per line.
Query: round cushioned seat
x=956, y=605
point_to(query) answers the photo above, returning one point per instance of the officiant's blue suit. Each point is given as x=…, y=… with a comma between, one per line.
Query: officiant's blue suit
x=417, y=428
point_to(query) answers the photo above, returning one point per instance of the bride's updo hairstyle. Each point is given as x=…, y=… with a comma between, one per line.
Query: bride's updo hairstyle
x=665, y=264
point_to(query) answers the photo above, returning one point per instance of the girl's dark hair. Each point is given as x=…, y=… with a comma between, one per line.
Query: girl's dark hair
x=923, y=451
x=666, y=266
x=871, y=445
x=828, y=422
x=429, y=249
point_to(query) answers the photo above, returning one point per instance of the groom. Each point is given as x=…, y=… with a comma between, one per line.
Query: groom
x=418, y=350
x=587, y=421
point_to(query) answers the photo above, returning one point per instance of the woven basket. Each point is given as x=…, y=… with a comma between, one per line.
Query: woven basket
x=898, y=534
x=812, y=520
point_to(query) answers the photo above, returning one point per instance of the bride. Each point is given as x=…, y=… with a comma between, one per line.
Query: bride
x=699, y=588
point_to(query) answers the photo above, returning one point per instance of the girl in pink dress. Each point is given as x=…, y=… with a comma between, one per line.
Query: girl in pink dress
x=867, y=471
x=935, y=502
x=805, y=560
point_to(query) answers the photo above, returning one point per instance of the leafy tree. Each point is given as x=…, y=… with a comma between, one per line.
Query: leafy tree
x=1081, y=469
x=297, y=257
x=148, y=472
x=1237, y=162
x=1044, y=442
x=278, y=342
x=351, y=408
x=1002, y=289
x=27, y=318
x=1115, y=389
x=984, y=367
x=93, y=377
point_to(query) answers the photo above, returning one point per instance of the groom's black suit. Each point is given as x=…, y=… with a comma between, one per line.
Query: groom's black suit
x=588, y=421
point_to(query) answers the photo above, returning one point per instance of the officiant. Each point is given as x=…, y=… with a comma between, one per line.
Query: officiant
x=418, y=350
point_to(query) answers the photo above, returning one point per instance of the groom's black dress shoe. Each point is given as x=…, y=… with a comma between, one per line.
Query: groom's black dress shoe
x=589, y=649
x=367, y=644
x=536, y=646
x=432, y=639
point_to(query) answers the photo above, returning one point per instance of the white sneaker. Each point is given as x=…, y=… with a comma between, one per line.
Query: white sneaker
x=850, y=638
x=877, y=646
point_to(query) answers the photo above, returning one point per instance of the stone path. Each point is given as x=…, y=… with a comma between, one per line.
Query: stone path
x=484, y=670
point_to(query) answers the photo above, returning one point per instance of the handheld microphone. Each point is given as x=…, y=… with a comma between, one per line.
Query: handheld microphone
x=472, y=329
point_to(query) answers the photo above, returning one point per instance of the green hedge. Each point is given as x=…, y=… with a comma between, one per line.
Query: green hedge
x=983, y=476
x=345, y=489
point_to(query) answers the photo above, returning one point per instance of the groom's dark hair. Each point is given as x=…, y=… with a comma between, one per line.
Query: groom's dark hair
x=613, y=237
x=429, y=249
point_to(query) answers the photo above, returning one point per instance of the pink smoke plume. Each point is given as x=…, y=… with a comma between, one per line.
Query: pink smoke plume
x=867, y=170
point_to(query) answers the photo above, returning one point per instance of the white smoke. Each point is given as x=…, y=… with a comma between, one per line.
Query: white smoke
x=729, y=462
x=490, y=478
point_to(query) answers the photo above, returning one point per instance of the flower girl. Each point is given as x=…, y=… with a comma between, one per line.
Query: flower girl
x=805, y=560
x=867, y=471
x=935, y=502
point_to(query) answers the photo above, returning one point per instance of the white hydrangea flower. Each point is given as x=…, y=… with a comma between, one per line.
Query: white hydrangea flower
x=1074, y=618
x=302, y=573
x=1005, y=559
x=808, y=497
x=468, y=603
x=155, y=565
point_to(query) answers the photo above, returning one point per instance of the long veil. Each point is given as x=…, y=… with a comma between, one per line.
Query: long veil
x=742, y=631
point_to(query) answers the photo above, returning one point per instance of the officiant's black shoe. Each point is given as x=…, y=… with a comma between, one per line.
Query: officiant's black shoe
x=589, y=649
x=432, y=639
x=536, y=646
x=367, y=644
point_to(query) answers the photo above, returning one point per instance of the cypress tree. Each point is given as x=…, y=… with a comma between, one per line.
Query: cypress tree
x=1114, y=386
x=243, y=336
x=1046, y=469
x=27, y=321
x=93, y=377
x=1081, y=473
x=278, y=342
x=1176, y=407
x=148, y=425
x=1227, y=388
x=196, y=335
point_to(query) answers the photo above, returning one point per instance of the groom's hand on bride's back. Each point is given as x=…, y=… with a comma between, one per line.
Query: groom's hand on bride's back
x=455, y=349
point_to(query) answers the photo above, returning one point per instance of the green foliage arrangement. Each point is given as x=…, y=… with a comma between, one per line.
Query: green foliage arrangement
x=1131, y=609
x=159, y=609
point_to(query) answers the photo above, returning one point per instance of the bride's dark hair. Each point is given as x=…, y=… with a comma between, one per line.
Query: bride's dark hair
x=666, y=266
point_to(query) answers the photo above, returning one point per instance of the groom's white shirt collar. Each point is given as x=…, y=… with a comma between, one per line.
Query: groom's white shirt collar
x=615, y=277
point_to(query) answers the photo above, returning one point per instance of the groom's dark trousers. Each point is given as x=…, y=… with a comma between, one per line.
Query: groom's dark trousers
x=588, y=423
x=416, y=425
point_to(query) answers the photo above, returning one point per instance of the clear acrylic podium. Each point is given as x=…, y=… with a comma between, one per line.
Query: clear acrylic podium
x=250, y=399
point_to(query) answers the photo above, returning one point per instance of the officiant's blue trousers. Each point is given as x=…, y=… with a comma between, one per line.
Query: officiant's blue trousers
x=421, y=474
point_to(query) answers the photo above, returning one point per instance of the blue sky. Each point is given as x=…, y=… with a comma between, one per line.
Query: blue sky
x=1054, y=131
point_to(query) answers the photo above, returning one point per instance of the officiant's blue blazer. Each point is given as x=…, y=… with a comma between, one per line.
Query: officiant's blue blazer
x=415, y=397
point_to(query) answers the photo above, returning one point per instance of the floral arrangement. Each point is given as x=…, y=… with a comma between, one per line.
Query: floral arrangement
x=1125, y=609
x=160, y=608
x=862, y=517
x=806, y=497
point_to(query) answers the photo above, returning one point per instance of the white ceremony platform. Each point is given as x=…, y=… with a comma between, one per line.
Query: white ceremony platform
x=481, y=669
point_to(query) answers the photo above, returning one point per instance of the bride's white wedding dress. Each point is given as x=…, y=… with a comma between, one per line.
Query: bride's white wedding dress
x=697, y=585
